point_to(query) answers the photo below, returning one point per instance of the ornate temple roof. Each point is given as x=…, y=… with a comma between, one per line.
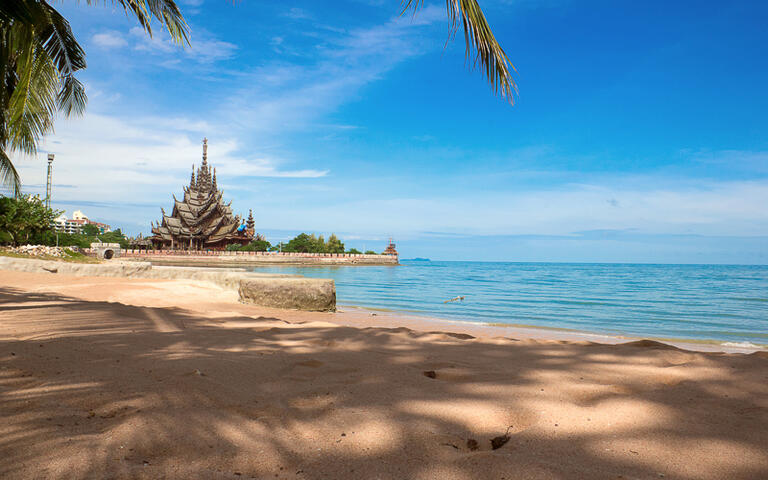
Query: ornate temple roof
x=202, y=214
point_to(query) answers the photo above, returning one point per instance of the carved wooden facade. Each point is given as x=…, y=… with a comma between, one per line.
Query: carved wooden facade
x=201, y=220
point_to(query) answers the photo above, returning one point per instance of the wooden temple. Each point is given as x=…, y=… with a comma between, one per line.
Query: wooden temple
x=201, y=220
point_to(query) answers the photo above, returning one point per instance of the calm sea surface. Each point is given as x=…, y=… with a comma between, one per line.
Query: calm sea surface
x=727, y=303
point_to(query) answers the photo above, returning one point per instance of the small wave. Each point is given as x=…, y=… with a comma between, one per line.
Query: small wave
x=741, y=345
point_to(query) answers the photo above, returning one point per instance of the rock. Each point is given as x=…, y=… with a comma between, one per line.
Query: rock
x=37, y=250
x=472, y=444
x=312, y=294
x=430, y=374
x=498, y=442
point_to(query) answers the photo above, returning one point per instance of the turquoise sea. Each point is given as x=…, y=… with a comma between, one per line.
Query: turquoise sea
x=725, y=303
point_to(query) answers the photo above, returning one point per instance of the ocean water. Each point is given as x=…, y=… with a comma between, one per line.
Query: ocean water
x=725, y=303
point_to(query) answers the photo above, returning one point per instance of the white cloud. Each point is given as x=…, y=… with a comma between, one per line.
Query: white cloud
x=109, y=39
x=298, y=14
x=711, y=208
x=284, y=97
x=203, y=48
x=143, y=159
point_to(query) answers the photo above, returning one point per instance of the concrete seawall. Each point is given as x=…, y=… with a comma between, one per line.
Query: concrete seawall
x=267, y=290
x=255, y=258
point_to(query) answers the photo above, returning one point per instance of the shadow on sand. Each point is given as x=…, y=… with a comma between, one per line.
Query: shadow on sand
x=107, y=390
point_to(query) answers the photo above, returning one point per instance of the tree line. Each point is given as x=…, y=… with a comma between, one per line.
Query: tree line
x=301, y=243
x=26, y=220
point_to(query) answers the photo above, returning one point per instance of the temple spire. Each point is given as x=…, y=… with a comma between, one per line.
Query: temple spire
x=214, y=179
x=205, y=152
x=192, y=177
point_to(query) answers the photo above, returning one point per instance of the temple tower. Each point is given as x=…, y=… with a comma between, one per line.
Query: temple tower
x=201, y=219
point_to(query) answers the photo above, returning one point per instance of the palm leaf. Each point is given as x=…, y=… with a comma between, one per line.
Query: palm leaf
x=8, y=174
x=480, y=43
x=166, y=11
x=39, y=57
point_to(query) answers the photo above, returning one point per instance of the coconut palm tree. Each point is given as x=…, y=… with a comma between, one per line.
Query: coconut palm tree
x=39, y=57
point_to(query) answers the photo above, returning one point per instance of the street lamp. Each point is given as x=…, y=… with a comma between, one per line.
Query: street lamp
x=50, y=181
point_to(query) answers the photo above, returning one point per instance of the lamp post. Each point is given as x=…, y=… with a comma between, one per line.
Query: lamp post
x=50, y=181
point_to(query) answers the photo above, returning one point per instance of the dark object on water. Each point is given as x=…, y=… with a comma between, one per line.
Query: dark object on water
x=455, y=299
x=472, y=444
x=501, y=440
x=430, y=374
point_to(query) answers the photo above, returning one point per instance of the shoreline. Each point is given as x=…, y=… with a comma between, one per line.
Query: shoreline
x=358, y=315
x=536, y=332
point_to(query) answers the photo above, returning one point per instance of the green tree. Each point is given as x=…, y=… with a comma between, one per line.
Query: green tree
x=258, y=245
x=334, y=245
x=370, y=252
x=90, y=230
x=24, y=216
x=354, y=251
x=39, y=57
x=302, y=243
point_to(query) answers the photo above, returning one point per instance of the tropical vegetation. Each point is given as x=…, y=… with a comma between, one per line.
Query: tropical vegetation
x=24, y=217
x=305, y=243
x=81, y=240
x=39, y=57
x=257, y=245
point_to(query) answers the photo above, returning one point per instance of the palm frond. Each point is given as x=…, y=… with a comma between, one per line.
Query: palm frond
x=8, y=174
x=60, y=45
x=166, y=11
x=33, y=102
x=481, y=45
x=39, y=57
x=23, y=11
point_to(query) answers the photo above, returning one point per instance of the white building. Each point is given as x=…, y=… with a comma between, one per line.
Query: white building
x=75, y=225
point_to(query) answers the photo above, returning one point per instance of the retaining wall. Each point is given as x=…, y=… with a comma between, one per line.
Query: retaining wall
x=184, y=257
x=268, y=290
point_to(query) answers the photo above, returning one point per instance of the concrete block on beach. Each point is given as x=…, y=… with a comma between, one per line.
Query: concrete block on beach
x=313, y=294
x=116, y=269
x=267, y=290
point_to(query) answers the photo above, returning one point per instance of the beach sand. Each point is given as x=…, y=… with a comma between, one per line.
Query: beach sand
x=123, y=378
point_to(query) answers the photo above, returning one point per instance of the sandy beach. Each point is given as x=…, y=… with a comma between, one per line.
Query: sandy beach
x=137, y=378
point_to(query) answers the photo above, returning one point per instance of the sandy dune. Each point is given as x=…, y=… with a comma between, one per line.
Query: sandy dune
x=117, y=378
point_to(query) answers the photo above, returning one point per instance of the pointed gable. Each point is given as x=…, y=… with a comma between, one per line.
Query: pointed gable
x=202, y=214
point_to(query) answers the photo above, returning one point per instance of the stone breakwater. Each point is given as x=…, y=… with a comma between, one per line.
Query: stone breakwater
x=37, y=250
x=267, y=290
x=161, y=257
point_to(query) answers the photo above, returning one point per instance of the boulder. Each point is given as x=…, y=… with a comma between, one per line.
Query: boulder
x=312, y=294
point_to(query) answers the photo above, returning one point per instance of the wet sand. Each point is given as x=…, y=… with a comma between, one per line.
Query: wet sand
x=122, y=378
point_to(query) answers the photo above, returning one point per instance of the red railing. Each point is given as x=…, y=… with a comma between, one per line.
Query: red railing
x=215, y=253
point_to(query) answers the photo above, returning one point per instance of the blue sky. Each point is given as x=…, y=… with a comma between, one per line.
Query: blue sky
x=639, y=134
